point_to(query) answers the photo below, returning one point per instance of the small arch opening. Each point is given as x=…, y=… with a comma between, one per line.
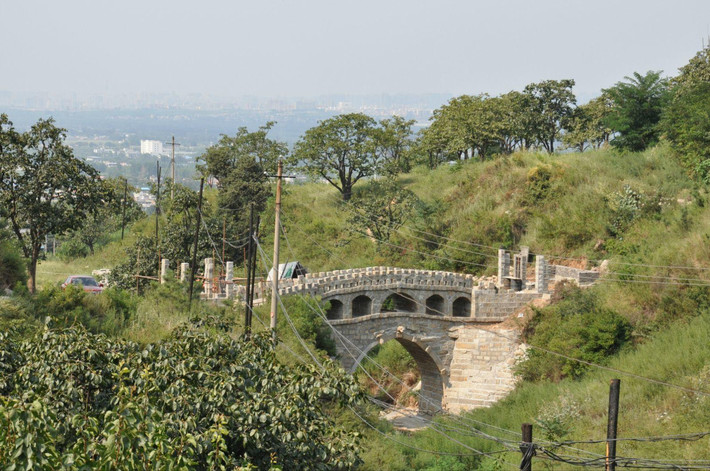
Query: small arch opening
x=435, y=305
x=400, y=302
x=462, y=307
x=362, y=306
x=335, y=310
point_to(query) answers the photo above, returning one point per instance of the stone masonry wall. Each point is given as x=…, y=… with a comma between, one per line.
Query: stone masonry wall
x=481, y=370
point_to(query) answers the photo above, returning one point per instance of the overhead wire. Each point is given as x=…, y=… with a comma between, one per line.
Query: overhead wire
x=345, y=340
x=304, y=345
x=562, y=355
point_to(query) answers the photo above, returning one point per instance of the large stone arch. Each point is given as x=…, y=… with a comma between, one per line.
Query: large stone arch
x=431, y=369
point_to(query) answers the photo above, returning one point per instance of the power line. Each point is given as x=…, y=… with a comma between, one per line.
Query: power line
x=562, y=355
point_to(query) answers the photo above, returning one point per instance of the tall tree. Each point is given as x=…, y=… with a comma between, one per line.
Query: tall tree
x=637, y=106
x=221, y=158
x=696, y=71
x=586, y=127
x=393, y=144
x=341, y=150
x=44, y=189
x=551, y=103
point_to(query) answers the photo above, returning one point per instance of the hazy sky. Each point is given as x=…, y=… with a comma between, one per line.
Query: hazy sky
x=309, y=48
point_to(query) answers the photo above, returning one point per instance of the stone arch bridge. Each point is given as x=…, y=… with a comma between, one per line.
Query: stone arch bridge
x=463, y=351
x=454, y=325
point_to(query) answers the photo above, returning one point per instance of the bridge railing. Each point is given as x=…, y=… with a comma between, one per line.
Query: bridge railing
x=323, y=282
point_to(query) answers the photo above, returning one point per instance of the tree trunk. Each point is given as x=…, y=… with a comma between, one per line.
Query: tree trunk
x=347, y=192
x=33, y=269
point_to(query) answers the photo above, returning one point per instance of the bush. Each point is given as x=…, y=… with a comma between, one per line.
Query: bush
x=198, y=400
x=108, y=312
x=13, y=268
x=71, y=249
x=578, y=327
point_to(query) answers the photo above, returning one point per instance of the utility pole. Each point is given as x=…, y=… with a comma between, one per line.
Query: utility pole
x=527, y=448
x=194, y=247
x=612, y=419
x=248, y=297
x=172, y=167
x=277, y=233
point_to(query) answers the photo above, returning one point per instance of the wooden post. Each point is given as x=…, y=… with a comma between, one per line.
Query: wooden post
x=277, y=238
x=247, y=297
x=527, y=448
x=614, y=388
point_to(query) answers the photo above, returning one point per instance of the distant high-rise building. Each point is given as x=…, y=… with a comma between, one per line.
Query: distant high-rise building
x=151, y=147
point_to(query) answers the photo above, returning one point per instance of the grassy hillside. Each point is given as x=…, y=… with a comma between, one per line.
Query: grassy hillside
x=639, y=211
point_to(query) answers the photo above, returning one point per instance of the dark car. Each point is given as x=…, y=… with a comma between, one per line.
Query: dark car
x=88, y=283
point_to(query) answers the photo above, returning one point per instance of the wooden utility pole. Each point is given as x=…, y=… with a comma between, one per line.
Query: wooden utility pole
x=248, y=298
x=614, y=388
x=123, y=209
x=172, y=167
x=194, y=247
x=527, y=448
x=277, y=237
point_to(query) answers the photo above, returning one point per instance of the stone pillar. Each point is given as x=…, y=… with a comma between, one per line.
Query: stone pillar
x=184, y=272
x=540, y=274
x=209, y=275
x=503, y=266
x=229, y=278
x=164, y=266
x=524, y=253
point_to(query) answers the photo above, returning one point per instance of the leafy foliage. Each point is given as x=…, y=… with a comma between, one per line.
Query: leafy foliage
x=686, y=124
x=43, y=187
x=551, y=103
x=577, y=325
x=384, y=208
x=637, y=106
x=198, y=400
x=342, y=150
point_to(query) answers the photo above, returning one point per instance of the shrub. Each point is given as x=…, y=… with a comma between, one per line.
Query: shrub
x=13, y=268
x=198, y=400
x=577, y=327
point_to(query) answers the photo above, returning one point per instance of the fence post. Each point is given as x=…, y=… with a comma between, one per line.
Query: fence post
x=527, y=448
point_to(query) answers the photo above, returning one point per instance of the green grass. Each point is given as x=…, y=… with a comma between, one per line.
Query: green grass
x=679, y=355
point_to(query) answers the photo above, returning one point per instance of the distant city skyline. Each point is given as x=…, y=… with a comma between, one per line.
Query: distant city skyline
x=278, y=49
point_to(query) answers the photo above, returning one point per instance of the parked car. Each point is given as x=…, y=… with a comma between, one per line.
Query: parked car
x=85, y=281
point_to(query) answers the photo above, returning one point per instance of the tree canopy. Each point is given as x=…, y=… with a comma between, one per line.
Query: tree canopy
x=342, y=150
x=44, y=189
x=636, y=111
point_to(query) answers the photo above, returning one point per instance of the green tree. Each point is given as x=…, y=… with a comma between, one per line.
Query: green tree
x=468, y=125
x=246, y=184
x=637, y=106
x=393, y=144
x=108, y=217
x=44, y=189
x=586, y=126
x=550, y=103
x=696, y=71
x=686, y=125
x=340, y=150
x=383, y=210
x=221, y=158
